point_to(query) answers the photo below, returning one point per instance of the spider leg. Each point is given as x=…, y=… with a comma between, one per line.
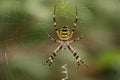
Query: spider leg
x=77, y=39
x=75, y=24
x=54, y=19
x=74, y=40
x=53, y=39
x=53, y=55
x=54, y=22
x=78, y=59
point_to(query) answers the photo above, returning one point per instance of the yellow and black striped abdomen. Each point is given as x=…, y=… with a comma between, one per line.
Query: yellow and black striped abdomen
x=64, y=33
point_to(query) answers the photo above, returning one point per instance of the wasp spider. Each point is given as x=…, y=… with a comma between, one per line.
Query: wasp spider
x=65, y=37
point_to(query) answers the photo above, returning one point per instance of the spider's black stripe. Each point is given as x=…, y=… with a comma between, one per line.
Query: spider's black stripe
x=78, y=63
x=73, y=29
x=54, y=54
x=77, y=57
x=56, y=28
x=74, y=40
x=64, y=30
x=75, y=54
x=64, y=27
x=81, y=61
x=68, y=47
x=50, y=63
x=54, y=20
x=52, y=57
x=60, y=48
x=76, y=20
x=47, y=61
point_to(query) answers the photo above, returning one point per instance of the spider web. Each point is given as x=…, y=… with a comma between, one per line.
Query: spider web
x=14, y=21
x=12, y=31
x=14, y=24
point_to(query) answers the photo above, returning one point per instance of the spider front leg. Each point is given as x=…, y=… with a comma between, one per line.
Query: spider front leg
x=75, y=24
x=53, y=55
x=78, y=59
x=54, y=22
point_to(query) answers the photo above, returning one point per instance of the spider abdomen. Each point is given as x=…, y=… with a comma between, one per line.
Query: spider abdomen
x=64, y=33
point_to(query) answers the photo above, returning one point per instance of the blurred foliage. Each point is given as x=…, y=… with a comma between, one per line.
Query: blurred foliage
x=24, y=25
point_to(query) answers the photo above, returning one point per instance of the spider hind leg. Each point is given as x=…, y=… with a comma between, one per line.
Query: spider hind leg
x=78, y=59
x=50, y=59
x=53, y=55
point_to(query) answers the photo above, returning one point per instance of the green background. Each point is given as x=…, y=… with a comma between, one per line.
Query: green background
x=24, y=25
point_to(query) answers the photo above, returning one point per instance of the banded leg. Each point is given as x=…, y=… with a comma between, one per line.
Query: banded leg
x=54, y=22
x=54, y=19
x=53, y=39
x=74, y=40
x=78, y=59
x=77, y=39
x=53, y=55
x=75, y=24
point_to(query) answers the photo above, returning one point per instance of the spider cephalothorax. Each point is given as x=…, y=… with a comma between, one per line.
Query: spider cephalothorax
x=65, y=36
